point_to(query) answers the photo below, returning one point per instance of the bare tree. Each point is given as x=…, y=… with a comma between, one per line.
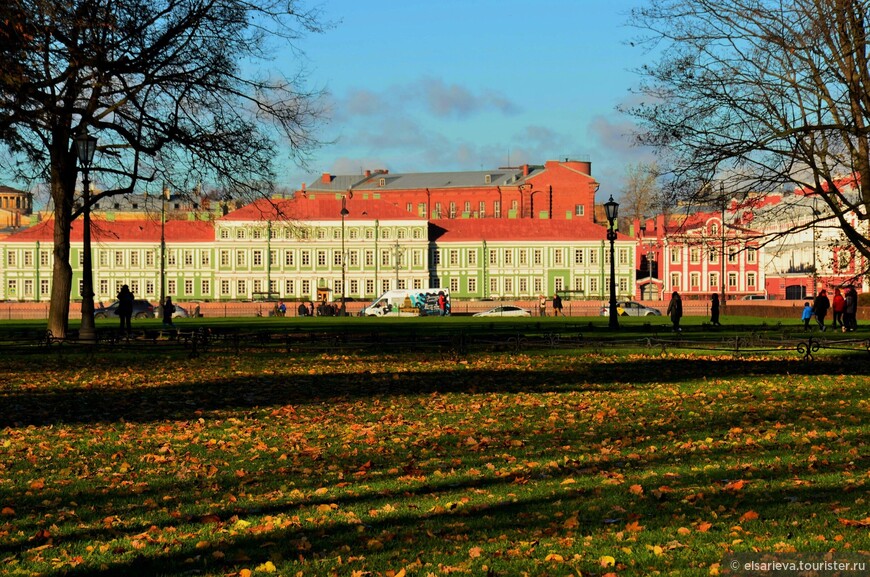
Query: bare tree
x=761, y=95
x=641, y=191
x=173, y=89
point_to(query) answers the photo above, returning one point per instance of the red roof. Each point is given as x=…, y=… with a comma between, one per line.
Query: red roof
x=122, y=231
x=320, y=207
x=501, y=229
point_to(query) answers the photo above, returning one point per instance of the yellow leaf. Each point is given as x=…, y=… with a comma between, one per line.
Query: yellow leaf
x=267, y=567
x=554, y=558
x=683, y=531
x=401, y=573
x=571, y=523
x=657, y=550
x=607, y=561
x=714, y=569
x=475, y=552
x=568, y=481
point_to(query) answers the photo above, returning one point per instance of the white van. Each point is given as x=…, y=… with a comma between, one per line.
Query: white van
x=407, y=303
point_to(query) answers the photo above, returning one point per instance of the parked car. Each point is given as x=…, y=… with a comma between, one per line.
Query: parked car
x=505, y=311
x=142, y=309
x=631, y=309
x=754, y=298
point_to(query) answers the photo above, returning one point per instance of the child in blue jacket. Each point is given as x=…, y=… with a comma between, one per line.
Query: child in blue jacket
x=807, y=316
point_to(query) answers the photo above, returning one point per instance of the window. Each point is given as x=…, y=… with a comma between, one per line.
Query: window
x=353, y=234
x=578, y=284
x=558, y=283
x=593, y=285
x=225, y=287
x=454, y=284
x=732, y=280
x=256, y=233
x=188, y=287
x=385, y=258
x=454, y=257
x=241, y=288
x=225, y=234
x=508, y=286
x=10, y=258
x=593, y=259
x=607, y=258
x=306, y=260
x=493, y=285
x=713, y=280
x=481, y=209
x=496, y=208
x=369, y=258
x=205, y=258
x=750, y=280
x=336, y=258
x=336, y=234
x=452, y=210
x=241, y=258
x=467, y=206
x=134, y=286
x=409, y=206
x=539, y=285
x=354, y=287
x=557, y=257
x=675, y=255
x=205, y=287
x=623, y=256
x=149, y=258
x=370, y=286
x=44, y=258
x=578, y=256
x=258, y=258
x=579, y=210
x=289, y=287
x=539, y=256
x=437, y=210
x=524, y=258
x=321, y=258
x=306, y=288
x=134, y=258
x=436, y=258
x=171, y=287
x=713, y=255
x=508, y=257
x=385, y=233
x=225, y=258
x=12, y=287
x=44, y=287
x=524, y=286
x=675, y=281
x=28, y=259
x=623, y=286
x=751, y=255
x=471, y=256
x=353, y=258
x=417, y=256
x=289, y=259
x=695, y=280
x=149, y=287
x=421, y=210
x=418, y=283
x=171, y=258
x=418, y=234
x=240, y=234
x=732, y=254
x=695, y=255
x=188, y=258
x=104, y=287
x=493, y=256
x=714, y=229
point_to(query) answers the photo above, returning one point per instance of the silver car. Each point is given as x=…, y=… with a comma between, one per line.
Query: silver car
x=505, y=311
x=631, y=309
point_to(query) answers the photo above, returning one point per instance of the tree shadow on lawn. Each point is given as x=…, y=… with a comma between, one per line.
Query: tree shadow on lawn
x=36, y=406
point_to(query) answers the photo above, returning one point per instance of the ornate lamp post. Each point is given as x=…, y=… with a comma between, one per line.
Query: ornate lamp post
x=86, y=146
x=344, y=213
x=611, y=210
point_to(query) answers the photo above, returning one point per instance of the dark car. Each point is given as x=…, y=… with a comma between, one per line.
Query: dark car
x=142, y=309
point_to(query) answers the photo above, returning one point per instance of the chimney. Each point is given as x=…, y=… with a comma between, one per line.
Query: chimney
x=303, y=187
x=326, y=178
x=368, y=173
x=525, y=170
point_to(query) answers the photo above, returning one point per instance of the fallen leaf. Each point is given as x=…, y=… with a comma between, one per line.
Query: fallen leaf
x=607, y=561
x=748, y=516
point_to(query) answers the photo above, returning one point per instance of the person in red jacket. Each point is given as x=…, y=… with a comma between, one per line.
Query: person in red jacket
x=838, y=306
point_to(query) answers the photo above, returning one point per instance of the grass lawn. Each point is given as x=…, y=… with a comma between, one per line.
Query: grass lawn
x=561, y=462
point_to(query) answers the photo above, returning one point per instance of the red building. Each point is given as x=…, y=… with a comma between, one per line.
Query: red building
x=558, y=190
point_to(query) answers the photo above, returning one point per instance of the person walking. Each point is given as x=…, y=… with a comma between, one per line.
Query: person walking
x=125, y=309
x=442, y=304
x=168, y=309
x=821, y=304
x=807, y=315
x=557, y=306
x=714, y=310
x=838, y=306
x=675, y=311
x=542, y=306
x=850, y=309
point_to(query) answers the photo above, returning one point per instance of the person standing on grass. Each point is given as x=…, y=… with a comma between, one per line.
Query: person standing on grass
x=168, y=309
x=838, y=305
x=542, y=306
x=557, y=306
x=821, y=304
x=850, y=310
x=125, y=309
x=675, y=311
x=714, y=310
x=807, y=315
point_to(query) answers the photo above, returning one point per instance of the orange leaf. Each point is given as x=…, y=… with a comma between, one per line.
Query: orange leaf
x=865, y=522
x=735, y=485
x=475, y=552
x=636, y=490
x=749, y=516
x=634, y=527
x=37, y=484
x=704, y=527
x=8, y=512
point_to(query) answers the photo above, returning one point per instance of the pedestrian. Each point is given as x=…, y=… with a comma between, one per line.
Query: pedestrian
x=821, y=304
x=442, y=304
x=542, y=306
x=675, y=311
x=168, y=309
x=807, y=315
x=838, y=306
x=282, y=309
x=714, y=310
x=850, y=309
x=302, y=310
x=557, y=306
x=125, y=309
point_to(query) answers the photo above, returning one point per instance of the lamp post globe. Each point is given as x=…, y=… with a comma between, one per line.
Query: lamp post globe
x=86, y=146
x=611, y=211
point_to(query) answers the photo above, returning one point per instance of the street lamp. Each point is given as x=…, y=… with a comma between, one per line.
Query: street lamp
x=344, y=213
x=611, y=210
x=86, y=146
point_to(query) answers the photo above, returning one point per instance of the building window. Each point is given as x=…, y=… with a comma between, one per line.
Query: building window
x=417, y=257
x=149, y=258
x=454, y=284
x=750, y=280
x=289, y=287
x=43, y=258
x=751, y=255
x=44, y=287
x=149, y=287
x=241, y=288
x=454, y=257
x=578, y=256
x=421, y=209
x=558, y=284
x=352, y=258
x=12, y=287
x=713, y=280
x=321, y=258
x=623, y=286
x=104, y=287
x=593, y=259
x=714, y=229
x=369, y=258
x=508, y=257
x=481, y=209
x=732, y=254
x=28, y=258
x=493, y=256
x=134, y=258
x=675, y=281
x=675, y=255
x=188, y=287
x=623, y=256
x=539, y=285
x=524, y=286
x=695, y=281
x=205, y=287
x=385, y=233
x=508, y=286
x=524, y=258
x=288, y=258
x=713, y=255
x=593, y=285
x=336, y=234
x=336, y=258
x=437, y=210
x=538, y=256
x=171, y=287
x=188, y=258
x=452, y=210
x=370, y=286
x=306, y=260
x=578, y=284
x=732, y=280
x=471, y=256
x=306, y=288
x=134, y=286
x=225, y=258
x=205, y=258
x=493, y=286
x=240, y=258
x=557, y=257
x=240, y=234
x=225, y=287
x=579, y=210
x=171, y=258
x=467, y=207
x=695, y=255
x=496, y=208
x=225, y=234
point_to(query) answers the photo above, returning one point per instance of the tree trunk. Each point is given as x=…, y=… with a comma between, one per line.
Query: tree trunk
x=62, y=190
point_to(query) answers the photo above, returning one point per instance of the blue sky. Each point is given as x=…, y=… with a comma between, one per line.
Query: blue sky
x=418, y=86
